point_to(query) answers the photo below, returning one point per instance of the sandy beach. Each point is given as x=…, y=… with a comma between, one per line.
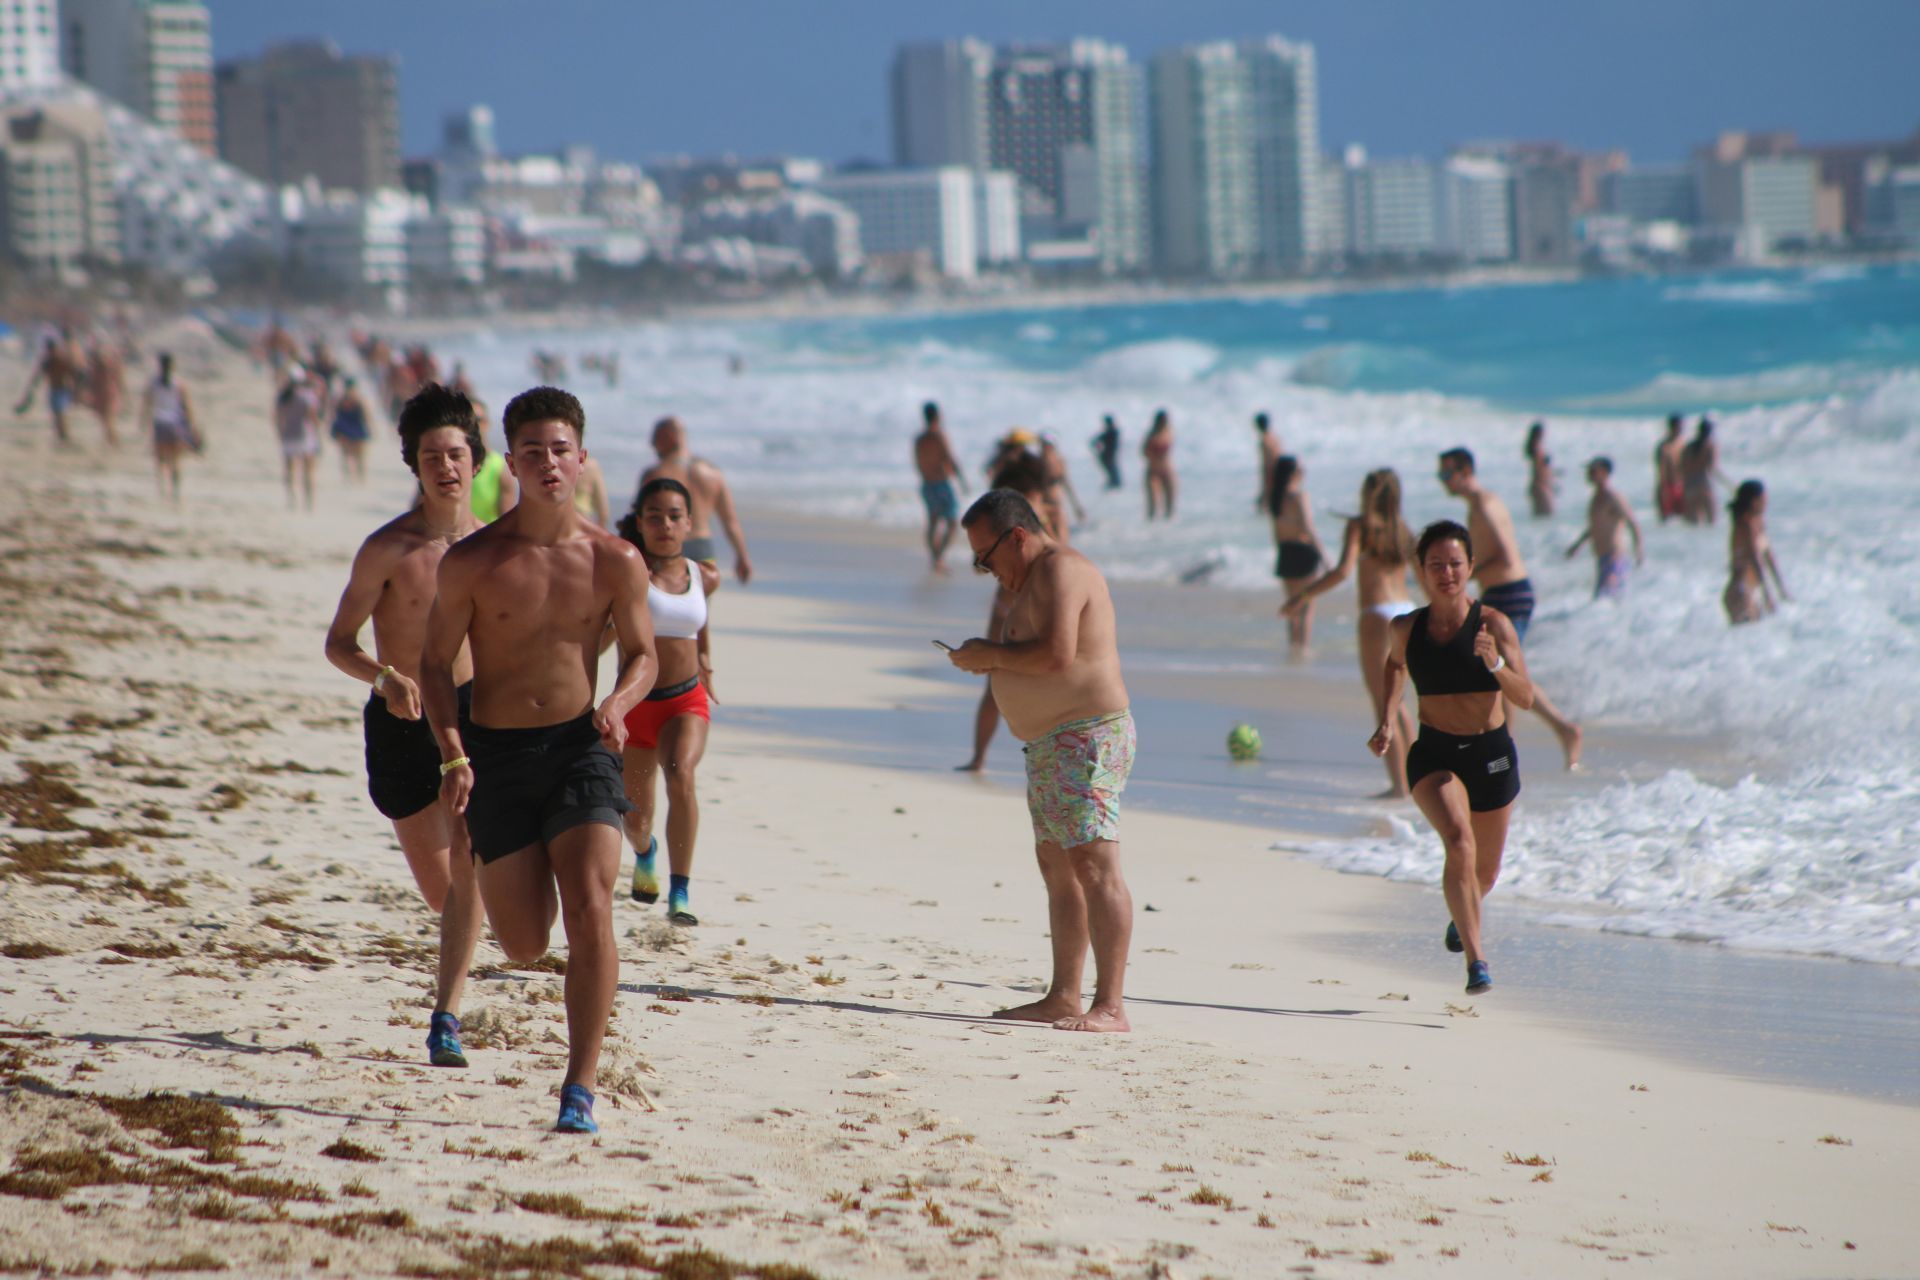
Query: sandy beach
x=217, y=973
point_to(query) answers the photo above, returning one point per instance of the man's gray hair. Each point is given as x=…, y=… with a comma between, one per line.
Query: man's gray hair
x=1001, y=510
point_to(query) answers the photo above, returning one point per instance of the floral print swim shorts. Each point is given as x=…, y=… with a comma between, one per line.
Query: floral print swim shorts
x=1075, y=774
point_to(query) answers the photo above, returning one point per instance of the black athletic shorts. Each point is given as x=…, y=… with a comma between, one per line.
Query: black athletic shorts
x=1296, y=560
x=403, y=760
x=1486, y=764
x=529, y=785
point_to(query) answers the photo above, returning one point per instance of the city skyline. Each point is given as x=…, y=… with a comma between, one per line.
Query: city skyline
x=1653, y=79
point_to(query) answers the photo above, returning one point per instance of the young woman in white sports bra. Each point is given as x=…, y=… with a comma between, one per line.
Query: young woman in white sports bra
x=667, y=732
x=1378, y=547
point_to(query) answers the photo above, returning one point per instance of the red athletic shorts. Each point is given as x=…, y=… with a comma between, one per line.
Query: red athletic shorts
x=646, y=720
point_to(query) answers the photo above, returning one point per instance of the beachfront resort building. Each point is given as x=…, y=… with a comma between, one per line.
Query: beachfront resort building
x=1236, y=163
x=1064, y=119
x=29, y=44
x=1651, y=193
x=793, y=232
x=1204, y=219
x=947, y=221
x=1761, y=190
x=1391, y=207
x=155, y=56
x=58, y=211
x=1475, y=207
x=304, y=110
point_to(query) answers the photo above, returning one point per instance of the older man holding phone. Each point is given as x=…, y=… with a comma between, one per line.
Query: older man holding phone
x=1056, y=677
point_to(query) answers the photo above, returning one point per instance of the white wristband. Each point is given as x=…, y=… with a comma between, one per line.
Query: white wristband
x=1499, y=661
x=381, y=678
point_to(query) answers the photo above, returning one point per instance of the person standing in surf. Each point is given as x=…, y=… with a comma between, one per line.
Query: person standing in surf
x=1162, y=482
x=1542, y=486
x=1747, y=597
x=667, y=730
x=1466, y=665
x=1297, y=553
x=1379, y=547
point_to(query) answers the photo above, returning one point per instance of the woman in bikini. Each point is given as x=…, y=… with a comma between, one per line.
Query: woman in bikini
x=1467, y=669
x=1748, y=598
x=1379, y=546
x=1162, y=483
x=667, y=731
x=1541, y=486
x=1297, y=548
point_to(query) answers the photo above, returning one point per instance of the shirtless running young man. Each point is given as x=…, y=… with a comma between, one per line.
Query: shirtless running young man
x=1502, y=575
x=712, y=500
x=1609, y=520
x=393, y=584
x=535, y=766
x=1055, y=674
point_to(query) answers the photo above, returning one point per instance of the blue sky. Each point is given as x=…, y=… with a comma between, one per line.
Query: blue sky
x=638, y=78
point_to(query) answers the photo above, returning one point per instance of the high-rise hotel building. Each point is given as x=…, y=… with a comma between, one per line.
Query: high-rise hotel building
x=1065, y=119
x=1236, y=175
x=29, y=44
x=155, y=56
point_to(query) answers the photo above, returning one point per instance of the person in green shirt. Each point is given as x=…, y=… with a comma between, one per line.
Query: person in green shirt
x=495, y=491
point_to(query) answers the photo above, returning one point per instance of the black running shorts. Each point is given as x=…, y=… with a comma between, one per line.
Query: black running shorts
x=1486, y=764
x=529, y=785
x=403, y=759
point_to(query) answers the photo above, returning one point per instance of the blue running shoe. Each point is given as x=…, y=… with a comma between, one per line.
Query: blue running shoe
x=646, y=885
x=576, y=1110
x=443, y=1042
x=677, y=912
x=1453, y=938
x=1479, y=978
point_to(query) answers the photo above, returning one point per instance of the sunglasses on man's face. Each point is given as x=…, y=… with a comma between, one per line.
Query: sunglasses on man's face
x=980, y=561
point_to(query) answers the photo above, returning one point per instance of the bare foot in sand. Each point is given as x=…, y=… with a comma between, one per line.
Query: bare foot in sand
x=1391, y=793
x=1048, y=1009
x=971, y=766
x=1570, y=740
x=1095, y=1019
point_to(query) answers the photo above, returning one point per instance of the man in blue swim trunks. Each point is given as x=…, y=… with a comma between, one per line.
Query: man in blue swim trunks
x=1502, y=574
x=1609, y=518
x=939, y=472
x=61, y=366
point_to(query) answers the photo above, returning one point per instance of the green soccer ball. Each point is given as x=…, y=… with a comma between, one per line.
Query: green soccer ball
x=1243, y=742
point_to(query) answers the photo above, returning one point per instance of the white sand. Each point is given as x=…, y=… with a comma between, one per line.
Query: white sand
x=828, y=1093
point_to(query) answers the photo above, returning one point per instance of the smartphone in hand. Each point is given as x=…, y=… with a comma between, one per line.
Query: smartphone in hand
x=942, y=644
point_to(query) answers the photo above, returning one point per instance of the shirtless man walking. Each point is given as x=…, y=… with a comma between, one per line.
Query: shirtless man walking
x=535, y=765
x=1609, y=519
x=1055, y=674
x=939, y=473
x=61, y=366
x=393, y=584
x=712, y=500
x=1502, y=573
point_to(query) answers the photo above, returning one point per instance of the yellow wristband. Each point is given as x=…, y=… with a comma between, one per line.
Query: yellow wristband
x=381, y=678
x=457, y=762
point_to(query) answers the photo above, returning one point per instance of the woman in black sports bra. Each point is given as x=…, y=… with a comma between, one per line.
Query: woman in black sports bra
x=1467, y=667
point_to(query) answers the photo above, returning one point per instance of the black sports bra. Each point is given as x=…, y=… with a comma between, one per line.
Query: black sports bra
x=1452, y=667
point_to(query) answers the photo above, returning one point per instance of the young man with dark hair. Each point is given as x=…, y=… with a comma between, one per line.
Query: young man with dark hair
x=1055, y=674
x=1502, y=575
x=392, y=583
x=534, y=765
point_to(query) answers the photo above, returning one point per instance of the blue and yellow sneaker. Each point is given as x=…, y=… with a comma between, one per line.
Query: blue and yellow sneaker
x=1453, y=938
x=1479, y=977
x=677, y=912
x=646, y=885
x=576, y=1110
x=443, y=1042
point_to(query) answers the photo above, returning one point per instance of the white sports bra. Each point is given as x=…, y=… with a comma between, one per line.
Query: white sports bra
x=679, y=617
